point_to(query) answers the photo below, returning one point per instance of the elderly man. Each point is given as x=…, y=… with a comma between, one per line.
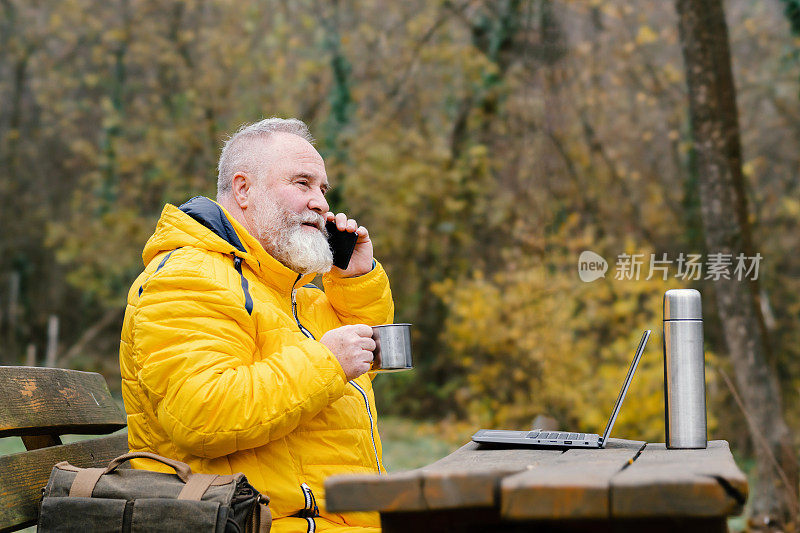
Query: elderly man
x=231, y=360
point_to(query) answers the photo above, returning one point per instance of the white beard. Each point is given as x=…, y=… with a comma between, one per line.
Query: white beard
x=284, y=237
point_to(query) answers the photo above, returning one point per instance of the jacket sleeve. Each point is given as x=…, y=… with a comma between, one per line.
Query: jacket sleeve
x=363, y=299
x=194, y=344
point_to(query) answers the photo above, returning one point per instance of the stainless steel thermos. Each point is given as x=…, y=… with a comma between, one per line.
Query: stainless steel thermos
x=684, y=370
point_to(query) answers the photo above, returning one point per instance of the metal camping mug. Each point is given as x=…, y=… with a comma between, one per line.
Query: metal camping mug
x=392, y=347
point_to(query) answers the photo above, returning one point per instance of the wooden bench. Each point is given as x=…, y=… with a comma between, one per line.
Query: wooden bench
x=40, y=405
x=627, y=486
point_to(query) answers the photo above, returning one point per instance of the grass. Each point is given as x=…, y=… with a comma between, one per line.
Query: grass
x=9, y=445
x=409, y=444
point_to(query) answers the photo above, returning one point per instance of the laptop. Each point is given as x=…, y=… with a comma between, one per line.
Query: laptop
x=564, y=439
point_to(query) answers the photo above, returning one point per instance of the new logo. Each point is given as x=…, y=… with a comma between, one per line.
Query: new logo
x=591, y=266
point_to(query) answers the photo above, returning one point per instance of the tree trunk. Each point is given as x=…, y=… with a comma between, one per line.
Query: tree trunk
x=715, y=128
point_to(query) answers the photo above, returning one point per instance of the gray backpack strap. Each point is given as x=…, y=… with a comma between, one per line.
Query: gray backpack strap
x=84, y=482
x=265, y=518
x=196, y=486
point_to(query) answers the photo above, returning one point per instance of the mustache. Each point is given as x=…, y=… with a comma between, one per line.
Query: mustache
x=315, y=219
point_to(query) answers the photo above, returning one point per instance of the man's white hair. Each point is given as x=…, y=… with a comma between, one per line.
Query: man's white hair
x=236, y=155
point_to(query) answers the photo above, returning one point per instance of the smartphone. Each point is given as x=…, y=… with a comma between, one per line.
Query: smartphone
x=342, y=244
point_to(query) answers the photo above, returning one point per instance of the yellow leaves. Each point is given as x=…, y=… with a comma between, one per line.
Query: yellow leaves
x=186, y=35
x=752, y=166
x=55, y=19
x=672, y=73
x=646, y=35
x=99, y=54
x=114, y=36
x=790, y=207
x=110, y=121
x=751, y=25
x=478, y=152
x=584, y=47
x=536, y=331
x=83, y=148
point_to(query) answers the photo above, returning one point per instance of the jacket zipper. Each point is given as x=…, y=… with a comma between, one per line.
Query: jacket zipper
x=371, y=423
x=308, y=334
x=303, y=330
x=248, y=301
x=310, y=511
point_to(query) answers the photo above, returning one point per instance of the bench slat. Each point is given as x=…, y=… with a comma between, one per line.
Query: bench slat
x=706, y=483
x=469, y=477
x=573, y=486
x=39, y=401
x=369, y=492
x=24, y=474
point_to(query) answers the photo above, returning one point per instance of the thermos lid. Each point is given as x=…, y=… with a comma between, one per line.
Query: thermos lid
x=682, y=304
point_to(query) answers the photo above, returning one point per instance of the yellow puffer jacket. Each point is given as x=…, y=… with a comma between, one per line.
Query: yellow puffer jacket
x=220, y=369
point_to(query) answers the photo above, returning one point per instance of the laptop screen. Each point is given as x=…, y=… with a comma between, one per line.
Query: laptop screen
x=628, y=378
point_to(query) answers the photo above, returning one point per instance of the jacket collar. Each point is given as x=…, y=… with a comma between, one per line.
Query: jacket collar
x=216, y=218
x=213, y=216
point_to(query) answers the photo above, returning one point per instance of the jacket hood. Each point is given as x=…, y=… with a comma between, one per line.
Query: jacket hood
x=203, y=223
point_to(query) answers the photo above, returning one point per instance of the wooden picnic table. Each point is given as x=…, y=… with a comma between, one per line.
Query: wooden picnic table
x=628, y=486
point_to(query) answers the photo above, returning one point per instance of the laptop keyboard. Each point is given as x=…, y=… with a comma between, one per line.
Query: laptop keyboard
x=555, y=435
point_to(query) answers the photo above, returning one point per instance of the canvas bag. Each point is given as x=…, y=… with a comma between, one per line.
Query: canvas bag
x=116, y=499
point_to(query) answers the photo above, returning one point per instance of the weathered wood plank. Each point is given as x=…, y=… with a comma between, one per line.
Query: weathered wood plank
x=24, y=474
x=393, y=492
x=472, y=456
x=468, y=477
x=692, y=483
x=39, y=401
x=574, y=485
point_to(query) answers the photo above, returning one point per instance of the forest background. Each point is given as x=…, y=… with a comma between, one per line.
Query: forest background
x=485, y=144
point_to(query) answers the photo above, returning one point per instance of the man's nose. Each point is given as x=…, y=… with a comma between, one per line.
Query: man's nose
x=318, y=203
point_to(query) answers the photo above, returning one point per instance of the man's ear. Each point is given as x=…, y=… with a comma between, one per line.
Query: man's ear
x=240, y=187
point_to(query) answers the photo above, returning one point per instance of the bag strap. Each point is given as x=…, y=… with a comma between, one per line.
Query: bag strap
x=265, y=518
x=84, y=482
x=182, y=469
x=86, y=478
x=196, y=486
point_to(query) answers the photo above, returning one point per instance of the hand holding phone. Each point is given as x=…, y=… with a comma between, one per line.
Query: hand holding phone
x=342, y=244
